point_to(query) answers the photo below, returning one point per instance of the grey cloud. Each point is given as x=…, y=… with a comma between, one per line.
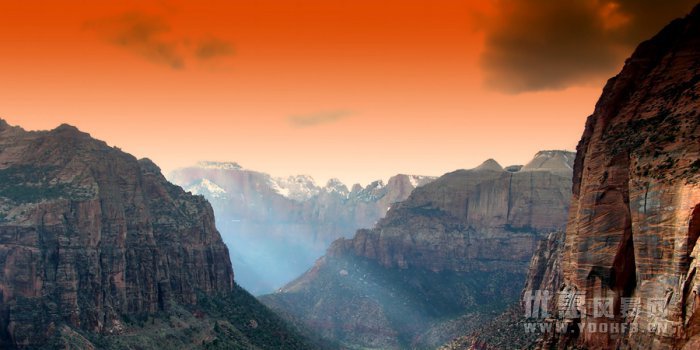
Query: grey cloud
x=141, y=34
x=151, y=37
x=308, y=120
x=554, y=44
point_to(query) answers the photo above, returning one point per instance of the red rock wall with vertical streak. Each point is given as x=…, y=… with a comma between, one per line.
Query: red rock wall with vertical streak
x=633, y=219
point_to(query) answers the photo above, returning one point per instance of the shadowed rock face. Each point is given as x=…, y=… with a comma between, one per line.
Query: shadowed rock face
x=633, y=223
x=89, y=234
x=456, y=250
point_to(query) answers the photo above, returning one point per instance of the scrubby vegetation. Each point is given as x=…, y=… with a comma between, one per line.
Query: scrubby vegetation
x=426, y=308
x=28, y=184
x=233, y=320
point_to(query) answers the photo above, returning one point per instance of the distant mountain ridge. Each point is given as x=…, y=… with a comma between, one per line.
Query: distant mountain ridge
x=300, y=187
x=278, y=226
x=439, y=263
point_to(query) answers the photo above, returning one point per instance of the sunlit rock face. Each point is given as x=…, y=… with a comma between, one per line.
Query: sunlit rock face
x=455, y=251
x=277, y=227
x=635, y=214
x=480, y=219
x=89, y=234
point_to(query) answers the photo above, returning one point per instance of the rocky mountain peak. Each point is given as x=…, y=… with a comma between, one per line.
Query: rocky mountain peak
x=296, y=187
x=67, y=130
x=5, y=126
x=207, y=188
x=376, y=184
x=337, y=186
x=490, y=164
x=356, y=188
x=552, y=160
x=412, y=181
x=333, y=182
x=148, y=166
x=219, y=165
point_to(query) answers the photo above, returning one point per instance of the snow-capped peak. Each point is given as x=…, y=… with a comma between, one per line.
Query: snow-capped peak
x=376, y=185
x=207, y=187
x=337, y=186
x=419, y=180
x=298, y=187
x=219, y=165
x=373, y=191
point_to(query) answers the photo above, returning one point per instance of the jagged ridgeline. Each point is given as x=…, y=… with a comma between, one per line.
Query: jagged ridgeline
x=277, y=227
x=98, y=250
x=442, y=262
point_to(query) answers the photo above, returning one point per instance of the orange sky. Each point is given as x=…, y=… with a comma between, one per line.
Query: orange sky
x=358, y=90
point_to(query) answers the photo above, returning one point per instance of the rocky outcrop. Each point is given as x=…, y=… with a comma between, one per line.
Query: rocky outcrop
x=282, y=225
x=513, y=329
x=501, y=332
x=91, y=238
x=439, y=263
x=544, y=273
x=480, y=219
x=633, y=224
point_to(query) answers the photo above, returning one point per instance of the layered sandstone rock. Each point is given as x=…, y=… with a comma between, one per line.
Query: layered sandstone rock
x=89, y=234
x=440, y=262
x=635, y=214
x=544, y=273
x=480, y=219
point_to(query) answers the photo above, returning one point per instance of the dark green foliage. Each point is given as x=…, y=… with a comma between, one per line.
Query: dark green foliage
x=30, y=184
x=414, y=301
x=444, y=294
x=26, y=184
x=667, y=164
x=427, y=210
x=695, y=166
x=644, y=135
x=674, y=92
x=503, y=331
x=233, y=320
x=519, y=229
x=246, y=316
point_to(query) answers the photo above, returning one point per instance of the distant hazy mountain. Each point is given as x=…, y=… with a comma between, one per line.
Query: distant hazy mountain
x=440, y=262
x=276, y=227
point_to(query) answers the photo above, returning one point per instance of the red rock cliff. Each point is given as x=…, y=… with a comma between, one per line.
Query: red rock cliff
x=635, y=212
x=480, y=219
x=89, y=233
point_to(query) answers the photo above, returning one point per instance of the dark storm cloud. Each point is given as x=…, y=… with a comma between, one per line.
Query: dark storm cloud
x=141, y=34
x=151, y=37
x=553, y=44
x=314, y=119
